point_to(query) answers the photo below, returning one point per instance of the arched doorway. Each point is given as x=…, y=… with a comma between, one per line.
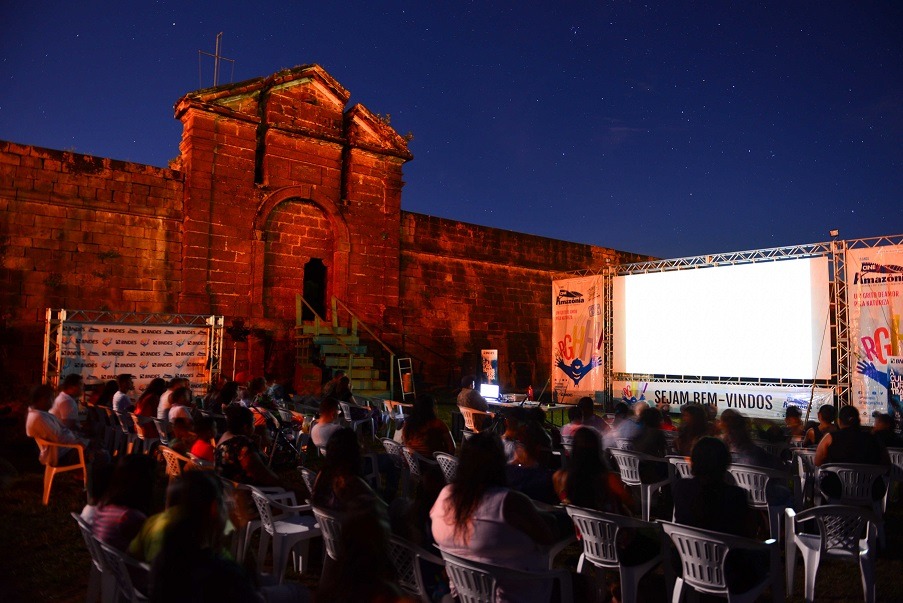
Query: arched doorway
x=314, y=292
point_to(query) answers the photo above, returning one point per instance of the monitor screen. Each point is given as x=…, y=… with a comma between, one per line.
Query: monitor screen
x=488, y=390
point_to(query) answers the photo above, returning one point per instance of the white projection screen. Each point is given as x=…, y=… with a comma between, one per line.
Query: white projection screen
x=764, y=320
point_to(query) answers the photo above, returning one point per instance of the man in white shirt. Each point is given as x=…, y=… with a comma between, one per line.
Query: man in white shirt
x=326, y=425
x=65, y=406
x=121, y=400
x=41, y=424
x=180, y=408
x=165, y=403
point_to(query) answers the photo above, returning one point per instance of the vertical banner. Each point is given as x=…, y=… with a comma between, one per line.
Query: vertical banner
x=875, y=304
x=490, y=366
x=577, y=338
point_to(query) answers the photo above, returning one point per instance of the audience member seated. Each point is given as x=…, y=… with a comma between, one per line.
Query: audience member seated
x=146, y=545
x=329, y=386
x=610, y=438
x=65, y=406
x=326, y=424
x=706, y=501
x=735, y=429
x=41, y=424
x=651, y=441
x=204, y=446
x=121, y=400
x=575, y=422
x=106, y=394
x=423, y=431
x=342, y=393
x=793, y=424
x=147, y=406
x=588, y=417
x=826, y=415
x=477, y=517
x=587, y=482
x=182, y=437
x=180, y=405
x=226, y=396
x=193, y=566
x=527, y=474
x=127, y=501
x=515, y=425
x=665, y=408
x=165, y=404
x=236, y=456
x=849, y=444
x=883, y=430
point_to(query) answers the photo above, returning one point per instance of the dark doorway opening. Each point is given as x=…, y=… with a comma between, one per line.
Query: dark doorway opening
x=314, y=289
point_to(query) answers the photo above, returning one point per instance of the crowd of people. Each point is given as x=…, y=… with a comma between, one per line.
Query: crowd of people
x=503, y=507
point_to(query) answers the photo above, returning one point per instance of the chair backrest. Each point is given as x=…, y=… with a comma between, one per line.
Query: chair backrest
x=118, y=564
x=449, y=465
x=567, y=442
x=91, y=543
x=857, y=481
x=310, y=478
x=753, y=481
x=680, y=466
x=175, y=462
x=413, y=461
x=392, y=447
x=599, y=533
x=162, y=431
x=841, y=528
x=629, y=465
x=263, y=509
x=473, y=583
x=125, y=422
x=624, y=444
x=331, y=525
x=703, y=552
x=896, y=461
x=406, y=557
x=468, y=414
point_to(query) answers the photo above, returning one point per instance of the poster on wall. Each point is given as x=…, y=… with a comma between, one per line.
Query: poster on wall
x=874, y=306
x=490, y=366
x=101, y=351
x=577, y=338
x=751, y=401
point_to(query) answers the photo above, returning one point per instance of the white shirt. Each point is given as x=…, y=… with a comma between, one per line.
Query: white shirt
x=164, y=406
x=122, y=402
x=321, y=432
x=179, y=411
x=43, y=425
x=65, y=408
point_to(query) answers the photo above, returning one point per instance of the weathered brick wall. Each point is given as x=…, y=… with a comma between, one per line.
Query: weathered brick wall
x=81, y=232
x=466, y=288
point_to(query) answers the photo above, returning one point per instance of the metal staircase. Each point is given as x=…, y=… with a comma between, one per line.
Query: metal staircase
x=368, y=362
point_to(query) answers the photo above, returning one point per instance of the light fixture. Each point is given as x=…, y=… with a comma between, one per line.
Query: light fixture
x=834, y=232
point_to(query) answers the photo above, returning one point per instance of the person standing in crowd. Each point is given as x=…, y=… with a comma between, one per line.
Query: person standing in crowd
x=65, y=406
x=121, y=400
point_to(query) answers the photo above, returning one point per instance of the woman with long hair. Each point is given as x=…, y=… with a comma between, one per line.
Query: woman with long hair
x=693, y=425
x=423, y=431
x=106, y=394
x=147, y=406
x=587, y=482
x=477, y=517
x=127, y=501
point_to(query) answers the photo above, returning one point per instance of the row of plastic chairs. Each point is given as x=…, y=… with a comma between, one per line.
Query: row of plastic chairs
x=110, y=577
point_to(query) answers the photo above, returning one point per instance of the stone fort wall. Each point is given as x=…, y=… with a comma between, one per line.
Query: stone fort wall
x=272, y=173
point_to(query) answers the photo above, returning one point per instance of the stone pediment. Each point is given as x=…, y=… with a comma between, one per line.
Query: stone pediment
x=367, y=131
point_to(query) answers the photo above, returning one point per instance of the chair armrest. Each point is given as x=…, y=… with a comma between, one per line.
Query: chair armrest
x=290, y=509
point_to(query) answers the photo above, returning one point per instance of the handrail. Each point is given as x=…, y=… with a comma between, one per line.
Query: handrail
x=318, y=321
x=358, y=321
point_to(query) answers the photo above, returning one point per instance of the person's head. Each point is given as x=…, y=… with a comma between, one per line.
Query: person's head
x=883, y=422
x=41, y=397
x=257, y=385
x=793, y=416
x=239, y=420
x=174, y=383
x=651, y=418
x=181, y=428
x=106, y=395
x=827, y=414
x=467, y=381
x=181, y=396
x=574, y=414
x=343, y=453
x=515, y=419
x=585, y=469
x=639, y=407
x=621, y=410
x=481, y=466
x=227, y=393
x=132, y=483
x=585, y=405
x=735, y=428
x=124, y=383
x=693, y=417
x=329, y=410
x=205, y=428
x=343, y=385
x=848, y=416
x=709, y=460
x=156, y=387
x=337, y=376
x=72, y=385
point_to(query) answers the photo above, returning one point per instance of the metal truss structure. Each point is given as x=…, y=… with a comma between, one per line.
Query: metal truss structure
x=843, y=352
x=57, y=318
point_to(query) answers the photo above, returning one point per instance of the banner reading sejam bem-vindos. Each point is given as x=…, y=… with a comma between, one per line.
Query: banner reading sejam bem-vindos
x=577, y=338
x=101, y=351
x=874, y=306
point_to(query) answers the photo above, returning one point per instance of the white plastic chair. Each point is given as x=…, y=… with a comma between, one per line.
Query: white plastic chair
x=175, y=462
x=857, y=481
x=330, y=523
x=629, y=465
x=804, y=490
x=289, y=530
x=599, y=534
x=100, y=583
x=244, y=533
x=415, y=463
x=309, y=476
x=753, y=480
x=846, y=533
x=469, y=414
x=407, y=557
x=50, y=470
x=118, y=565
x=393, y=415
x=396, y=451
x=702, y=556
x=162, y=430
x=680, y=467
x=449, y=465
x=139, y=423
x=477, y=582
x=357, y=423
x=624, y=444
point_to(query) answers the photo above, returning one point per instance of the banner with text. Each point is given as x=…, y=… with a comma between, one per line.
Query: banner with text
x=874, y=306
x=101, y=351
x=490, y=366
x=751, y=401
x=577, y=338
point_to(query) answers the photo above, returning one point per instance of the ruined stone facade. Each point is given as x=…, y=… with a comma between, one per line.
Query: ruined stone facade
x=274, y=173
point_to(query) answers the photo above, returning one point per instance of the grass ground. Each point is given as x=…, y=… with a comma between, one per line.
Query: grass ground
x=44, y=558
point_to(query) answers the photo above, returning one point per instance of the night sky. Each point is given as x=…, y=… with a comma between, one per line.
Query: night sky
x=671, y=129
